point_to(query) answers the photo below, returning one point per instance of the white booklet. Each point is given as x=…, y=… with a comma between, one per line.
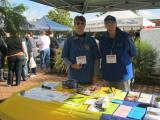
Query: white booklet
x=90, y=101
x=145, y=98
x=93, y=108
x=152, y=114
x=46, y=95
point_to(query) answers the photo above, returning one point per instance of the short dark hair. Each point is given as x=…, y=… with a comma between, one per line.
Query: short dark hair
x=49, y=32
x=79, y=18
x=43, y=32
x=30, y=33
x=109, y=18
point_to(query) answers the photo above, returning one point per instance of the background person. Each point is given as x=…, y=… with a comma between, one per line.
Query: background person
x=25, y=60
x=53, y=47
x=14, y=57
x=3, y=52
x=44, y=47
x=32, y=52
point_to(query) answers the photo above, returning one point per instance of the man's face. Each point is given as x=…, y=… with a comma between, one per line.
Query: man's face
x=79, y=27
x=51, y=35
x=27, y=35
x=7, y=34
x=111, y=27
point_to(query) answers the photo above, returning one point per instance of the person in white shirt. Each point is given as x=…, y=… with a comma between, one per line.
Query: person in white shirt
x=44, y=47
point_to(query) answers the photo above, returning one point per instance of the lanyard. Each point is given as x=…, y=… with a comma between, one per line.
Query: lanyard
x=112, y=42
x=112, y=45
x=82, y=43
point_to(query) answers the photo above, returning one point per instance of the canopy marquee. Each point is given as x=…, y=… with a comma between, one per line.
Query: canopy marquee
x=89, y=6
x=45, y=24
x=126, y=20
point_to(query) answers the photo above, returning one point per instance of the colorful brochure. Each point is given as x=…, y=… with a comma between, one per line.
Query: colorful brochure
x=137, y=113
x=132, y=96
x=119, y=95
x=152, y=114
x=110, y=108
x=76, y=100
x=122, y=111
x=145, y=98
x=46, y=95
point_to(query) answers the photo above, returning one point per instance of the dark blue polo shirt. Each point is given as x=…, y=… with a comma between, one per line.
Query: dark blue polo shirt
x=81, y=46
x=124, y=49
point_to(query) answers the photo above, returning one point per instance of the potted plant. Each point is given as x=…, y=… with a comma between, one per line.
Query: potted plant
x=158, y=101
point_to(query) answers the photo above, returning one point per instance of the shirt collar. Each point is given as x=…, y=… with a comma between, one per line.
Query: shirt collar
x=76, y=36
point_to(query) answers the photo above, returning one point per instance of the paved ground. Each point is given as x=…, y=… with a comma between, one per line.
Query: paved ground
x=147, y=89
x=6, y=92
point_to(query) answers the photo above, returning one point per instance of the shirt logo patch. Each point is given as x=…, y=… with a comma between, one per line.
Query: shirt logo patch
x=119, y=45
x=87, y=47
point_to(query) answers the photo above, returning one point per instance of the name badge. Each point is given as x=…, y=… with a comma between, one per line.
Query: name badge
x=81, y=60
x=111, y=59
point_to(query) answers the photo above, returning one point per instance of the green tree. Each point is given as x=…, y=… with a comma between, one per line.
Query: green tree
x=62, y=17
x=12, y=17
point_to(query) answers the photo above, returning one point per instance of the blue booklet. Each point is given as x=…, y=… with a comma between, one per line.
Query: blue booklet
x=137, y=113
x=113, y=117
x=117, y=101
x=130, y=103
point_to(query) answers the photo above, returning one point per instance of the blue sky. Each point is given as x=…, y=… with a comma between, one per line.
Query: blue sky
x=36, y=10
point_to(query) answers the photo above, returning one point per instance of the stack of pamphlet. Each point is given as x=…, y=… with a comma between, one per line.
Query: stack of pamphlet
x=122, y=111
x=76, y=99
x=46, y=95
x=145, y=98
x=119, y=95
x=132, y=96
x=137, y=113
x=152, y=114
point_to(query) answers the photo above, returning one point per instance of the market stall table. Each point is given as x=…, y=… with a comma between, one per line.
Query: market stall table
x=48, y=103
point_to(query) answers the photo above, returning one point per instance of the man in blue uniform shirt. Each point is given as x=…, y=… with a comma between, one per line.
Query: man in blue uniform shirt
x=80, y=53
x=117, y=50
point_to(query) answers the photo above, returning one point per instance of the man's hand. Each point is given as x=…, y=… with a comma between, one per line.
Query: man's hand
x=76, y=66
x=94, y=80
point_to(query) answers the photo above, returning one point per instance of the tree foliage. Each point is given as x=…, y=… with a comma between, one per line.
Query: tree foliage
x=13, y=20
x=61, y=16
